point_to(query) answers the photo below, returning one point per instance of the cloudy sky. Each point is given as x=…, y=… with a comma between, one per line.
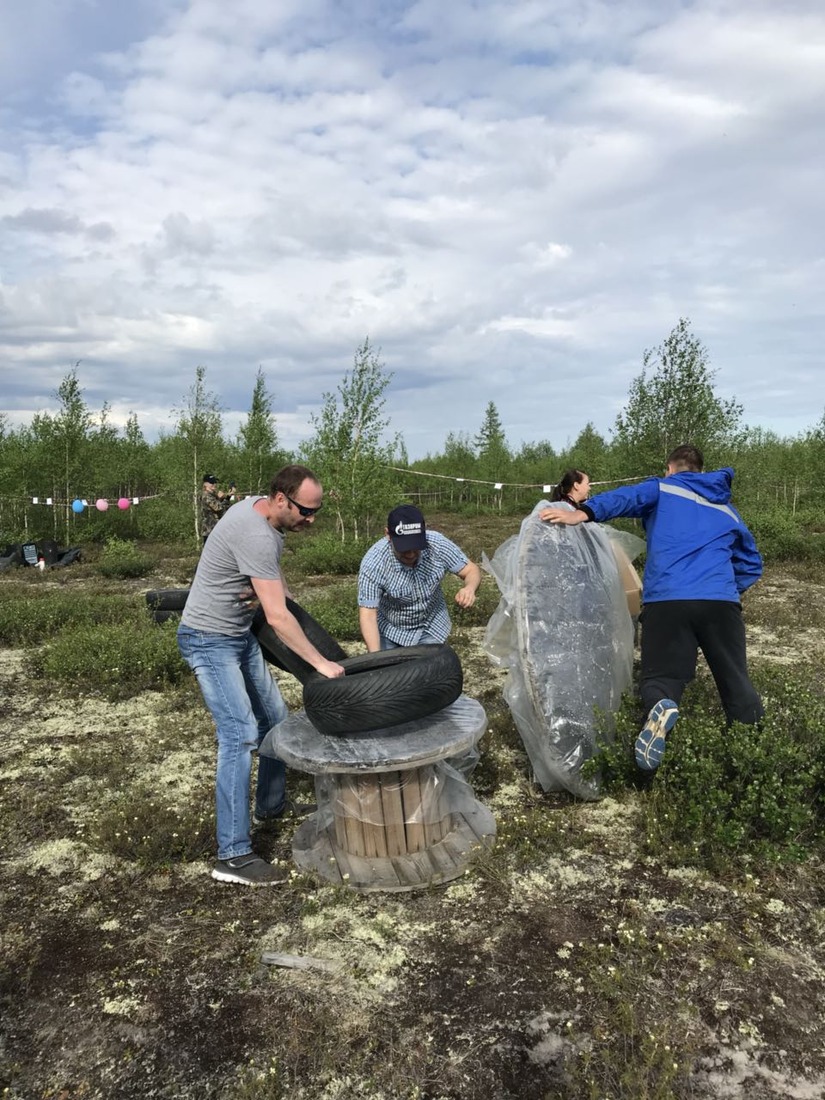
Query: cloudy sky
x=512, y=198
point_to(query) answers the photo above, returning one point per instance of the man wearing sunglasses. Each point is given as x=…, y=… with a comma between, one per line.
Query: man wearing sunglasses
x=238, y=571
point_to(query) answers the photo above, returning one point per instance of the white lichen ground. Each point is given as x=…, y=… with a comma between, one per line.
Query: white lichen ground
x=167, y=952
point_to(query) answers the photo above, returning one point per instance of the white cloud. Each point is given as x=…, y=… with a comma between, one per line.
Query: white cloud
x=512, y=201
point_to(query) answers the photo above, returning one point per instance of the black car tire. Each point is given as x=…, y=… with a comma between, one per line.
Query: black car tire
x=383, y=690
x=279, y=654
x=167, y=599
x=165, y=616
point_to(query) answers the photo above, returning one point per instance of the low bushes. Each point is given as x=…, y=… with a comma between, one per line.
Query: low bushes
x=336, y=609
x=744, y=792
x=119, y=660
x=121, y=558
x=782, y=536
x=154, y=830
x=29, y=616
x=324, y=553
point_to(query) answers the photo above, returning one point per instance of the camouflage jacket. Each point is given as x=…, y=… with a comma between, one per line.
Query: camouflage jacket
x=212, y=508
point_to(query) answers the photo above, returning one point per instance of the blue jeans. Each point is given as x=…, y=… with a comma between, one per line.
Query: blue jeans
x=245, y=703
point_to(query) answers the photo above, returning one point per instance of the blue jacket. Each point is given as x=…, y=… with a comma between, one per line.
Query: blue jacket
x=698, y=548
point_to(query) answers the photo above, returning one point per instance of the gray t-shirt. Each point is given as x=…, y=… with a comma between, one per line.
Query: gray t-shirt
x=242, y=545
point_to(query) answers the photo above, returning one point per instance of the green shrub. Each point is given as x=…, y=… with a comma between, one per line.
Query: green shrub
x=631, y=981
x=117, y=660
x=325, y=553
x=30, y=617
x=336, y=609
x=781, y=536
x=747, y=792
x=121, y=558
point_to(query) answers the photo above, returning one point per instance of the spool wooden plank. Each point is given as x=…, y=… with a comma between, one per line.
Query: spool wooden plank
x=432, y=791
x=376, y=873
x=339, y=827
x=339, y=817
x=445, y=861
x=414, y=870
x=477, y=825
x=482, y=823
x=393, y=807
x=411, y=797
x=433, y=805
x=472, y=832
x=372, y=815
x=351, y=813
x=317, y=852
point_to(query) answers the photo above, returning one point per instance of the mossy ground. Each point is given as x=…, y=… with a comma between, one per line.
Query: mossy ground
x=567, y=962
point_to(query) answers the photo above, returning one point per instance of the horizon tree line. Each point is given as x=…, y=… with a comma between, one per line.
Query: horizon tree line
x=76, y=453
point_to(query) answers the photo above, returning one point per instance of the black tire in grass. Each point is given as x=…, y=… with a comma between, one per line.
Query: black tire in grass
x=165, y=616
x=167, y=599
x=68, y=557
x=383, y=690
x=48, y=551
x=12, y=555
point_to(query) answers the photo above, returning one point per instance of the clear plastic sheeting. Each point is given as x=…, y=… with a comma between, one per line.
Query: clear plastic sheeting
x=451, y=732
x=563, y=630
x=393, y=813
x=393, y=793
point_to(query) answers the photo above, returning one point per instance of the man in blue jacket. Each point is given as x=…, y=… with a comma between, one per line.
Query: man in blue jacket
x=700, y=558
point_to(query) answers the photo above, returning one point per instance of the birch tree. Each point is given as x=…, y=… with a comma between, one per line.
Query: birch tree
x=199, y=427
x=348, y=452
x=673, y=402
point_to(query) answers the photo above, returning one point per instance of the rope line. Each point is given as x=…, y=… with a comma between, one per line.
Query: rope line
x=508, y=484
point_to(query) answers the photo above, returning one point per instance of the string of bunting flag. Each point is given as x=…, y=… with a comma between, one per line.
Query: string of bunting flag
x=545, y=488
x=80, y=504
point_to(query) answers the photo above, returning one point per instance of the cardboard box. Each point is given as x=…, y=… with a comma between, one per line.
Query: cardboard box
x=631, y=581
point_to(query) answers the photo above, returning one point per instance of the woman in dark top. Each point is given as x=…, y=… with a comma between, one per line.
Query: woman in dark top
x=573, y=488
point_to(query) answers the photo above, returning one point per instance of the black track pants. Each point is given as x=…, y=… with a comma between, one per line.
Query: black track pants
x=672, y=633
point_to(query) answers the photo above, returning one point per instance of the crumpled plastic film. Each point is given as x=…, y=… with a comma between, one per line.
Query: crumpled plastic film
x=563, y=630
x=392, y=793
x=390, y=813
x=448, y=734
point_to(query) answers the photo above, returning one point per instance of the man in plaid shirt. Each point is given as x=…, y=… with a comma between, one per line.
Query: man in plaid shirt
x=400, y=598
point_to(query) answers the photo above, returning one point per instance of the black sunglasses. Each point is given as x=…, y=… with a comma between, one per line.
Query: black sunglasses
x=304, y=511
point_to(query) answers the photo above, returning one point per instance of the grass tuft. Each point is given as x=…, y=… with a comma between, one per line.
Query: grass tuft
x=118, y=660
x=122, y=558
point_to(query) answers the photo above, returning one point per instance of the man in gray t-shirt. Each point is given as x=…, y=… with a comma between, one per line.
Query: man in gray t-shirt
x=239, y=570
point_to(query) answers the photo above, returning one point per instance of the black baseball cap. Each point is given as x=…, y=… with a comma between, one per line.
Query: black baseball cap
x=406, y=528
x=210, y=478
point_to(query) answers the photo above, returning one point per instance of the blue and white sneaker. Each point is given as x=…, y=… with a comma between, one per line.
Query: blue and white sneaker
x=650, y=744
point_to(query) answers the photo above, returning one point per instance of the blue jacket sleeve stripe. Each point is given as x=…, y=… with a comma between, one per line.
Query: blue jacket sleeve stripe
x=678, y=491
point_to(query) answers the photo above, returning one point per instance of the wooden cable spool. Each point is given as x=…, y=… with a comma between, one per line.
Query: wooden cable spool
x=390, y=813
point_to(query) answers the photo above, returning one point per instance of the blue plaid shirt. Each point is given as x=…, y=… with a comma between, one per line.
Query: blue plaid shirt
x=409, y=599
